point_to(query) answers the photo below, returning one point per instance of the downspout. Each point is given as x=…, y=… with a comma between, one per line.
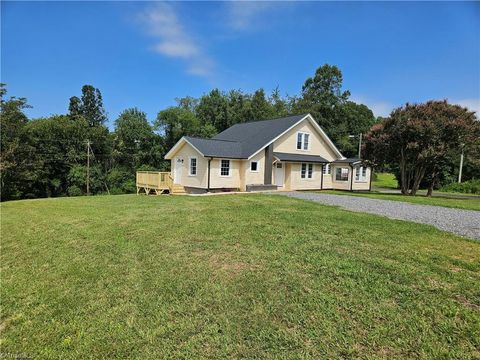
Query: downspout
x=351, y=178
x=321, y=178
x=208, y=175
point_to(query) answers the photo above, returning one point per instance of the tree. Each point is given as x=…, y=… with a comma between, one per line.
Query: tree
x=418, y=140
x=174, y=122
x=213, y=109
x=353, y=119
x=13, y=161
x=135, y=142
x=261, y=107
x=323, y=97
x=90, y=106
x=322, y=94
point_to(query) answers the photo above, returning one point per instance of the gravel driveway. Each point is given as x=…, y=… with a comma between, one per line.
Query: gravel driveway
x=458, y=221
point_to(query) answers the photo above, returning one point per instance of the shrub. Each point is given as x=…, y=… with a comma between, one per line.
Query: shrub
x=467, y=187
x=74, y=191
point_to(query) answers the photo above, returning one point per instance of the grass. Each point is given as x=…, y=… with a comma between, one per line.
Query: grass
x=237, y=276
x=467, y=204
x=385, y=180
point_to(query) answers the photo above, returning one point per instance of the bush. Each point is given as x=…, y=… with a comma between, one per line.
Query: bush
x=74, y=191
x=121, y=181
x=467, y=187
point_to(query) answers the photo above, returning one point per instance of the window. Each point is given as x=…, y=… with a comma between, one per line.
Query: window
x=254, y=166
x=193, y=167
x=361, y=173
x=307, y=171
x=326, y=169
x=341, y=174
x=303, y=141
x=225, y=168
x=299, y=141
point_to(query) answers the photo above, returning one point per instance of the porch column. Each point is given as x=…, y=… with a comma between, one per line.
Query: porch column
x=267, y=175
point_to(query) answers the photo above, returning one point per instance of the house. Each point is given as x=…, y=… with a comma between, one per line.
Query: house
x=290, y=153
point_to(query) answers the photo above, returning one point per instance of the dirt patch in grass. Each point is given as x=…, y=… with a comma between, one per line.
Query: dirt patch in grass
x=464, y=301
x=224, y=261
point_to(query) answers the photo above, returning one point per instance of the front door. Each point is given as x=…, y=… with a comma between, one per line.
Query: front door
x=279, y=174
x=177, y=170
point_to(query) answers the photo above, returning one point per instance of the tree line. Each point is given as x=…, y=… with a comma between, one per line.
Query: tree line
x=47, y=157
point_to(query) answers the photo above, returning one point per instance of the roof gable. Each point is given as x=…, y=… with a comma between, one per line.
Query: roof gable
x=254, y=135
x=243, y=141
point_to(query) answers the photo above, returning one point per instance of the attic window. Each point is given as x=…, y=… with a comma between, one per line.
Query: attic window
x=303, y=141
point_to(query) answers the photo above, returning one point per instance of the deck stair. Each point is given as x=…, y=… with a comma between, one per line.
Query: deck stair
x=177, y=189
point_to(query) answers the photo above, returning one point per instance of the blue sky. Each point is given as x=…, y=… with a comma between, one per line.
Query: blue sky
x=146, y=54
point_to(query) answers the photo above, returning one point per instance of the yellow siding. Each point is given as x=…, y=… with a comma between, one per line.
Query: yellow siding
x=362, y=185
x=185, y=153
x=341, y=185
x=297, y=183
x=231, y=181
x=327, y=181
x=255, y=178
x=288, y=142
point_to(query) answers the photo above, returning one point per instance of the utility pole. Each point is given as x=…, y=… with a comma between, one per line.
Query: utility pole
x=88, y=167
x=461, y=167
x=360, y=146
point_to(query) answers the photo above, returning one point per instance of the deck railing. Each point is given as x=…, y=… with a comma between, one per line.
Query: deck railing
x=154, y=180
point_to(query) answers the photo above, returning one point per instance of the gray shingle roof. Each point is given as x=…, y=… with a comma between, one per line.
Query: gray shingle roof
x=300, y=158
x=217, y=148
x=348, y=161
x=254, y=135
x=242, y=140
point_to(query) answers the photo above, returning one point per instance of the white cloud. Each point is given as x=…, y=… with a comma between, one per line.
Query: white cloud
x=470, y=104
x=173, y=40
x=379, y=108
x=241, y=15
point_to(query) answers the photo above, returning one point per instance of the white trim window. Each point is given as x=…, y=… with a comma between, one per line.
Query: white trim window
x=361, y=173
x=307, y=171
x=303, y=141
x=253, y=166
x=326, y=169
x=341, y=174
x=192, y=166
x=224, y=167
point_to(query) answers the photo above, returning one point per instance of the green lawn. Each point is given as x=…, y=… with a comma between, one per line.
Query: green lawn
x=385, y=180
x=468, y=204
x=251, y=276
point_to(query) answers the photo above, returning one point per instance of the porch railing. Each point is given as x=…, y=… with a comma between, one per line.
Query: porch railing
x=154, y=180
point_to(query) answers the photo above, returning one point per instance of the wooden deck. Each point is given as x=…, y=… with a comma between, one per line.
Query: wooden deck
x=158, y=182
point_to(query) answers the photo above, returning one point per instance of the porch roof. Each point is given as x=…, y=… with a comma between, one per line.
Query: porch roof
x=300, y=158
x=351, y=161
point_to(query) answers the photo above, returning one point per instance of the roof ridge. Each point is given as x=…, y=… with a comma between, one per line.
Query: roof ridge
x=271, y=119
x=200, y=138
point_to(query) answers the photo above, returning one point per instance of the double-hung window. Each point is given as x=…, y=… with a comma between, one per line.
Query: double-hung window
x=326, y=169
x=225, y=167
x=341, y=174
x=307, y=171
x=303, y=141
x=192, y=168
